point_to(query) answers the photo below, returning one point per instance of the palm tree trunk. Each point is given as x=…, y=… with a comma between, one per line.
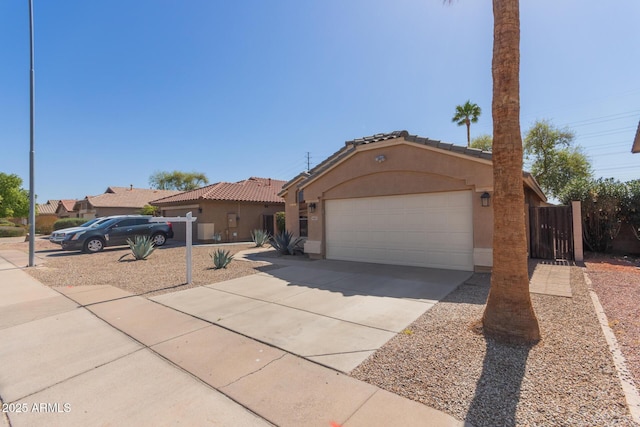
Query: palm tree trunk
x=509, y=315
x=468, y=132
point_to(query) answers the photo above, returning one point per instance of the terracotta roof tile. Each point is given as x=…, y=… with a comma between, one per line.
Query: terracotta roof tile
x=126, y=197
x=262, y=190
x=48, y=208
x=68, y=204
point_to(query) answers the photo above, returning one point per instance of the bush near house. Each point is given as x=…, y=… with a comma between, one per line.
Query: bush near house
x=68, y=222
x=608, y=206
x=44, y=224
x=12, y=231
x=280, y=222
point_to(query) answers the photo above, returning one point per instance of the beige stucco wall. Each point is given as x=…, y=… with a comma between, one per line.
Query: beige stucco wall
x=408, y=169
x=249, y=216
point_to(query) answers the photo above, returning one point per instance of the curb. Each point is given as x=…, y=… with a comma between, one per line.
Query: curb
x=631, y=394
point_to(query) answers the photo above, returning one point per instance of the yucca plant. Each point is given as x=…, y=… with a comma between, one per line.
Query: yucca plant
x=141, y=247
x=221, y=259
x=286, y=243
x=260, y=237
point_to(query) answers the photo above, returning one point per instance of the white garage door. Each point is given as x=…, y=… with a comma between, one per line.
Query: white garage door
x=427, y=230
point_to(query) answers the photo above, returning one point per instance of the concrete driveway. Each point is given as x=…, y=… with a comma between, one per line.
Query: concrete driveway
x=332, y=312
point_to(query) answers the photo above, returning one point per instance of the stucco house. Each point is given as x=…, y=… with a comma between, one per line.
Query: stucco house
x=65, y=209
x=397, y=198
x=118, y=201
x=226, y=211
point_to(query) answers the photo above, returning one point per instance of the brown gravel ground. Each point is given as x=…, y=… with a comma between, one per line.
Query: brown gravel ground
x=164, y=271
x=568, y=379
x=616, y=281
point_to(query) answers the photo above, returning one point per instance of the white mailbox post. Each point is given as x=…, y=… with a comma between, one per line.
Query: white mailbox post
x=188, y=220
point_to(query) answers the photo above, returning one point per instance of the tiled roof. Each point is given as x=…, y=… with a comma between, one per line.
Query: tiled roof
x=473, y=152
x=350, y=147
x=127, y=197
x=68, y=204
x=263, y=190
x=48, y=208
x=635, y=148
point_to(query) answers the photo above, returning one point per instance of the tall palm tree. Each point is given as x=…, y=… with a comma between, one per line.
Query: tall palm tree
x=465, y=115
x=509, y=313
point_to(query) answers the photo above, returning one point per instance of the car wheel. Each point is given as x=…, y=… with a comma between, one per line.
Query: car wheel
x=159, y=239
x=93, y=245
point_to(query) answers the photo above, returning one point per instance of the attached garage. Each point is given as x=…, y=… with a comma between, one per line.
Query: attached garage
x=400, y=199
x=426, y=230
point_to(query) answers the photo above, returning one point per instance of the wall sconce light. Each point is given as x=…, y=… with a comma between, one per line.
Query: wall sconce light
x=312, y=207
x=381, y=158
x=484, y=199
x=199, y=210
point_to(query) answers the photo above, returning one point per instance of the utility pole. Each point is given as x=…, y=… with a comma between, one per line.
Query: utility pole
x=308, y=161
x=32, y=195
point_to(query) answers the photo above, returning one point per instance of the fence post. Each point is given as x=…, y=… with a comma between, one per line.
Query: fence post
x=578, y=254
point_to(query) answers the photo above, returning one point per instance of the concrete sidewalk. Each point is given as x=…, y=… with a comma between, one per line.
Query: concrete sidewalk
x=83, y=356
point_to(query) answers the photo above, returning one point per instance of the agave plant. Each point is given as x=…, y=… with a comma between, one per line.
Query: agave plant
x=286, y=243
x=141, y=247
x=260, y=237
x=221, y=259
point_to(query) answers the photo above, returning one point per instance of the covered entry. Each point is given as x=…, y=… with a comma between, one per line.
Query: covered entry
x=426, y=230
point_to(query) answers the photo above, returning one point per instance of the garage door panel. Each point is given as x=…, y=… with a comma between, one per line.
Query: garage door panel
x=432, y=230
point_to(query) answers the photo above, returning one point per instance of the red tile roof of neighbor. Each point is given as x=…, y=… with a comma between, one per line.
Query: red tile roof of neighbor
x=262, y=190
x=127, y=197
x=68, y=204
x=48, y=208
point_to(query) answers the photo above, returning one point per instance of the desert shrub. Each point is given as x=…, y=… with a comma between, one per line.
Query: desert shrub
x=12, y=231
x=286, y=243
x=44, y=224
x=68, y=223
x=280, y=222
x=221, y=259
x=141, y=247
x=260, y=237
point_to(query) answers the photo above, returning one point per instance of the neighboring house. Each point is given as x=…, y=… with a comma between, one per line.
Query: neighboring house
x=226, y=211
x=118, y=201
x=46, y=216
x=48, y=209
x=400, y=199
x=65, y=209
x=635, y=148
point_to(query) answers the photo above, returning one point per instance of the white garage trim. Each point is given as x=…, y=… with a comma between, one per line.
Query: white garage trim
x=427, y=230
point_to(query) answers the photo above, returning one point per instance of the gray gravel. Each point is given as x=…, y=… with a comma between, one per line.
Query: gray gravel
x=568, y=379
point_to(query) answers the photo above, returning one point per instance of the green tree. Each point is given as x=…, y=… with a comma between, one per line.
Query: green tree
x=555, y=161
x=603, y=203
x=14, y=201
x=177, y=180
x=465, y=115
x=149, y=210
x=482, y=142
x=632, y=207
x=508, y=315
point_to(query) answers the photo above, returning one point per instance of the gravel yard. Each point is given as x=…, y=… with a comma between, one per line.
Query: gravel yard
x=568, y=379
x=164, y=271
x=616, y=281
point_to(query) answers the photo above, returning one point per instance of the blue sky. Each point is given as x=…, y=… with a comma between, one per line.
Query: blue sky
x=248, y=88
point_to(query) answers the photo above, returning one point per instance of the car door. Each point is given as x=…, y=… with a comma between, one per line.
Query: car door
x=121, y=231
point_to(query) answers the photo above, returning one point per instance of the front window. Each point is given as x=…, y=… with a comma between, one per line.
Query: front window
x=304, y=226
